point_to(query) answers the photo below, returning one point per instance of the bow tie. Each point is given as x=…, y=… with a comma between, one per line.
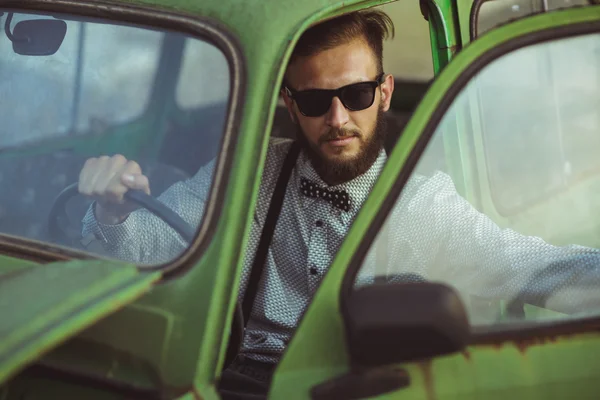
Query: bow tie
x=337, y=198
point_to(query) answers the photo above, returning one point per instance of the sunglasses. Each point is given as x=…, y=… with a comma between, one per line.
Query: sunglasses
x=316, y=102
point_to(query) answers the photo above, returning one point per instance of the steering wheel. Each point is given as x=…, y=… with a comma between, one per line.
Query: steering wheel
x=163, y=212
x=58, y=212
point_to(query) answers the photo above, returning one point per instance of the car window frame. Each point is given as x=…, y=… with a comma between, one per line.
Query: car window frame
x=196, y=26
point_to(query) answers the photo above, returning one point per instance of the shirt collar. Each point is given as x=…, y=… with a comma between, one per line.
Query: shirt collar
x=358, y=188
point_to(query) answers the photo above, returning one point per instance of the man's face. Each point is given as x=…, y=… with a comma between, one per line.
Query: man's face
x=340, y=137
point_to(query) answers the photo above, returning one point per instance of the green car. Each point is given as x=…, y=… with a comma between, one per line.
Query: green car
x=511, y=120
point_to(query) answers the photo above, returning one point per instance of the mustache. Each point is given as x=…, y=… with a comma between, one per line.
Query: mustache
x=338, y=133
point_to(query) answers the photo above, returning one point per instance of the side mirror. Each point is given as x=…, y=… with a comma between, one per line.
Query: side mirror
x=38, y=37
x=393, y=323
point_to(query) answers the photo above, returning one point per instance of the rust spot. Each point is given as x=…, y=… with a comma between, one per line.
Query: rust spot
x=523, y=344
x=498, y=346
x=557, y=332
x=453, y=49
x=467, y=355
x=196, y=393
x=428, y=380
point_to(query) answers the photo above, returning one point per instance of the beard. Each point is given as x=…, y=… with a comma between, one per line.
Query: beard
x=334, y=172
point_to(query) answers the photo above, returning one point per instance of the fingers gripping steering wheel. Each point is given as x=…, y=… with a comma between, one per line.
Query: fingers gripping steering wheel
x=58, y=212
x=138, y=197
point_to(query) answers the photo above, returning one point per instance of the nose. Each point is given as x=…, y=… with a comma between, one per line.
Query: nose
x=337, y=116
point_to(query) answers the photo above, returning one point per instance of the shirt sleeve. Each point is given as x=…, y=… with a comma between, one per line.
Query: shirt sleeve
x=436, y=235
x=144, y=238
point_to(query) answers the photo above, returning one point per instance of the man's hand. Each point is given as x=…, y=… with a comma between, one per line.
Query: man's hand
x=106, y=180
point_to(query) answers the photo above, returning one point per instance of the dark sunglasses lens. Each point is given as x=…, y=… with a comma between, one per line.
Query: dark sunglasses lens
x=359, y=96
x=313, y=103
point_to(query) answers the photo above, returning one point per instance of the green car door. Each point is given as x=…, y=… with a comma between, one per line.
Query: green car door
x=86, y=80
x=459, y=323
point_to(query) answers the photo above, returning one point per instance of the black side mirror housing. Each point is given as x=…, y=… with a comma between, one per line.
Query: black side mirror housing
x=38, y=37
x=393, y=323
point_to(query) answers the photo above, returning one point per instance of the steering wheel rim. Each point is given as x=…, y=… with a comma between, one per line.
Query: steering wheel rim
x=136, y=196
x=170, y=218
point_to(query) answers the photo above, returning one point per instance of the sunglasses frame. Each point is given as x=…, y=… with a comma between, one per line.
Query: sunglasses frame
x=291, y=93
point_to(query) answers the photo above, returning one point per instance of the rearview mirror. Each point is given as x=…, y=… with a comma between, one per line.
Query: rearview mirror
x=38, y=37
x=392, y=323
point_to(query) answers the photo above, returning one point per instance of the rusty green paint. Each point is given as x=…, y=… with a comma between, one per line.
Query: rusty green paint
x=516, y=370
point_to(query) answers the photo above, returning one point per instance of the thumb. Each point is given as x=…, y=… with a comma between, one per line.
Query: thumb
x=136, y=182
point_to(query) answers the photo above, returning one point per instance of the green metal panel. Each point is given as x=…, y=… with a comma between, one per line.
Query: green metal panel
x=10, y=264
x=317, y=352
x=44, y=305
x=444, y=33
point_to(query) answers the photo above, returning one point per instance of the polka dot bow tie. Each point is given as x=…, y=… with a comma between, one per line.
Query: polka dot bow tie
x=338, y=198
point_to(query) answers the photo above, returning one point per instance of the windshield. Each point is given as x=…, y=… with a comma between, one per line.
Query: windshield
x=75, y=87
x=506, y=212
x=74, y=90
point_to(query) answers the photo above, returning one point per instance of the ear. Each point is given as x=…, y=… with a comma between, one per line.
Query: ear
x=387, y=89
x=289, y=103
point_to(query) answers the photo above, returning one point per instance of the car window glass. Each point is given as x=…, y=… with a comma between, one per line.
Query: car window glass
x=493, y=13
x=75, y=86
x=99, y=70
x=77, y=89
x=560, y=85
x=214, y=69
x=538, y=111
